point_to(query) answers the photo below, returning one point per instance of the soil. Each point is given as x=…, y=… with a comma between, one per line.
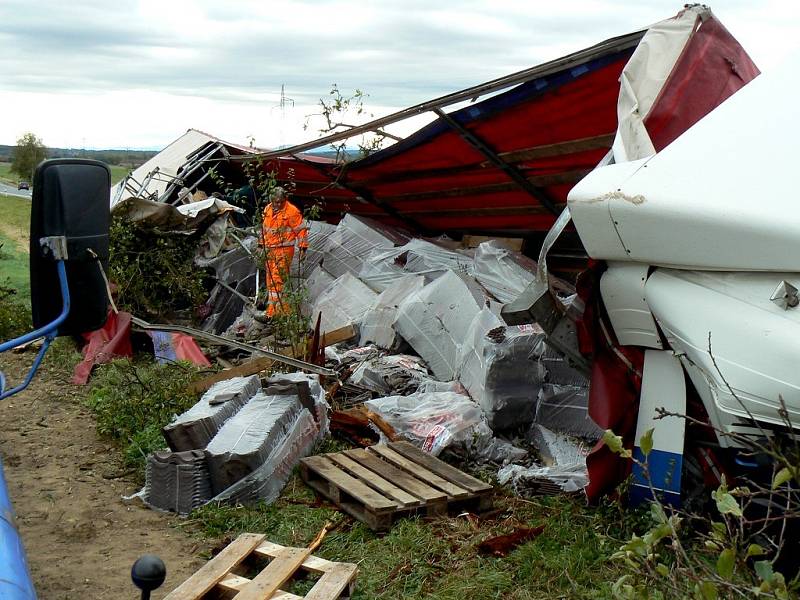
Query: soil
x=66, y=485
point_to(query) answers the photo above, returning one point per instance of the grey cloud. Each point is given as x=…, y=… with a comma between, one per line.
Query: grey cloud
x=92, y=46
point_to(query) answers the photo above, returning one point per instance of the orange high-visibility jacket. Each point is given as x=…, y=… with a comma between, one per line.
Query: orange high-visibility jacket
x=284, y=227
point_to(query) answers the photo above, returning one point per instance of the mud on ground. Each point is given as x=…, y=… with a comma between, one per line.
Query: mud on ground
x=67, y=486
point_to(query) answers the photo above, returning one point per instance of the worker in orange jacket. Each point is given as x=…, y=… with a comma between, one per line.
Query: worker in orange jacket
x=283, y=226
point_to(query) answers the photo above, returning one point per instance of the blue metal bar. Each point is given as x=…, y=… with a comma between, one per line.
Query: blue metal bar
x=49, y=332
x=50, y=327
x=15, y=579
x=34, y=367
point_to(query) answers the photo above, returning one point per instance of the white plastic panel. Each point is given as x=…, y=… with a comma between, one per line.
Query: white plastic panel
x=622, y=288
x=723, y=195
x=663, y=386
x=755, y=343
x=589, y=205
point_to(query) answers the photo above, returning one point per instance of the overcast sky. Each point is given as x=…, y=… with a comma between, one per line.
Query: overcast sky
x=100, y=74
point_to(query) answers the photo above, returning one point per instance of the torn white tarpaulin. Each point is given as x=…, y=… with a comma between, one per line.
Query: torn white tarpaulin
x=644, y=76
x=435, y=320
x=500, y=366
x=166, y=217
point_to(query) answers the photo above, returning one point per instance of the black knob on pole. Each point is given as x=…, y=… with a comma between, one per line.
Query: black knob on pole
x=148, y=573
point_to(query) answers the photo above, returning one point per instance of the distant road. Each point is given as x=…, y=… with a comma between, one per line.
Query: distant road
x=10, y=190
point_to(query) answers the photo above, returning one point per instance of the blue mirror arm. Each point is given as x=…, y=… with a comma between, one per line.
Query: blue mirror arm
x=49, y=332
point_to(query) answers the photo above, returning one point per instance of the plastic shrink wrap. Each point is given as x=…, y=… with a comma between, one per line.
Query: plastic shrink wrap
x=342, y=303
x=436, y=319
x=503, y=272
x=247, y=439
x=376, y=325
x=395, y=373
x=385, y=266
x=352, y=241
x=193, y=429
x=501, y=369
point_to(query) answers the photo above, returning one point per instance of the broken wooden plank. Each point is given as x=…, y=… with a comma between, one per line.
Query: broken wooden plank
x=343, y=334
x=250, y=367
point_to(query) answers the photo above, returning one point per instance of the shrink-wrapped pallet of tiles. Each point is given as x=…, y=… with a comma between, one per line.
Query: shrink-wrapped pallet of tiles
x=318, y=234
x=503, y=272
x=309, y=425
x=247, y=439
x=355, y=237
x=344, y=302
x=436, y=319
x=376, y=324
x=177, y=481
x=501, y=368
x=385, y=266
x=193, y=429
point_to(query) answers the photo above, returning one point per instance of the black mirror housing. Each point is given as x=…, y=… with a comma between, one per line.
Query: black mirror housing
x=71, y=199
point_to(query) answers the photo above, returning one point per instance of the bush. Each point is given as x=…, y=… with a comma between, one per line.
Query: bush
x=154, y=271
x=15, y=317
x=133, y=402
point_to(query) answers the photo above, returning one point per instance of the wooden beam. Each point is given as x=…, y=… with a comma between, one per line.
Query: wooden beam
x=491, y=188
x=486, y=211
x=476, y=142
x=343, y=334
x=251, y=367
x=598, y=142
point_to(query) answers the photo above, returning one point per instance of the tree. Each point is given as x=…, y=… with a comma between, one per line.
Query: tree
x=29, y=152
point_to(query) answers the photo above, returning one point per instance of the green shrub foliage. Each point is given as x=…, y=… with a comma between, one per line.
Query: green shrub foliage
x=154, y=271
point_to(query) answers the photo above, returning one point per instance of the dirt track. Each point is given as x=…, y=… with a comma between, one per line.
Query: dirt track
x=66, y=485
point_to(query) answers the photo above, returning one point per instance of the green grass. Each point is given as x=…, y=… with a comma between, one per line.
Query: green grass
x=14, y=239
x=117, y=173
x=6, y=174
x=438, y=558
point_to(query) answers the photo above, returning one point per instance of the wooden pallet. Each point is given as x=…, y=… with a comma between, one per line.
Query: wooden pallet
x=218, y=578
x=387, y=482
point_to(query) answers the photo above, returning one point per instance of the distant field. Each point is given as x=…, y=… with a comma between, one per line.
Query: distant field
x=117, y=173
x=5, y=172
x=14, y=239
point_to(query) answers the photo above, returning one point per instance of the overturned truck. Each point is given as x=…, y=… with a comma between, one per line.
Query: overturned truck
x=648, y=285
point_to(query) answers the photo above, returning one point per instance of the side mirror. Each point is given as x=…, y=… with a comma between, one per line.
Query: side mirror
x=71, y=200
